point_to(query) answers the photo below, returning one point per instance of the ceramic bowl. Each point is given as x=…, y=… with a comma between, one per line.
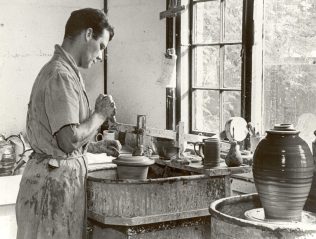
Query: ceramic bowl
x=166, y=148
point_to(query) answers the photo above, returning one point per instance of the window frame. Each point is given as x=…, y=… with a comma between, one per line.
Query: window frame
x=246, y=64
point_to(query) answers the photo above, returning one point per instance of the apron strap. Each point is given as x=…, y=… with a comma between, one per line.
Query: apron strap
x=54, y=161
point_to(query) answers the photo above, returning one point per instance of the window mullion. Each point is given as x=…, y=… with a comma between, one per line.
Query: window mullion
x=192, y=33
x=221, y=66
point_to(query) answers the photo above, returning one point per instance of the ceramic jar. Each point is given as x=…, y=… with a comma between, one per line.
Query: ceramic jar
x=311, y=200
x=283, y=171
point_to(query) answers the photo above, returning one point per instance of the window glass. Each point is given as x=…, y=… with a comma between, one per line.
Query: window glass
x=207, y=22
x=233, y=20
x=206, y=68
x=232, y=66
x=231, y=104
x=206, y=111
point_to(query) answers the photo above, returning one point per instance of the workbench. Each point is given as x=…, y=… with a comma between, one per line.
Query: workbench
x=175, y=205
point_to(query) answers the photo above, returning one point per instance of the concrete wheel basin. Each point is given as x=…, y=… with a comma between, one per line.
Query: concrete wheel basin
x=228, y=221
x=167, y=194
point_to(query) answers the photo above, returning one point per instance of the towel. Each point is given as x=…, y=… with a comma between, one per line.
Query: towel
x=99, y=158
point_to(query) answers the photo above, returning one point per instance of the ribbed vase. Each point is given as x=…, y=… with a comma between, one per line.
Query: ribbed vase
x=283, y=172
x=310, y=204
x=311, y=200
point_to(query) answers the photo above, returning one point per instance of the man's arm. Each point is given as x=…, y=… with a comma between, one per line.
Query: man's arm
x=72, y=137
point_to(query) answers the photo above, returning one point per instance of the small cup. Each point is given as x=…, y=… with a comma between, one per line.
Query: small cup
x=107, y=134
x=209, y=150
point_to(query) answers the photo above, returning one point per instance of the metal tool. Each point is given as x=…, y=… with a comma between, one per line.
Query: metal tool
x=141, y=125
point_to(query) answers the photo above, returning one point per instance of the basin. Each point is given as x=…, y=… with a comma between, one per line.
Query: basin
x=170, y=203
x=229, y=221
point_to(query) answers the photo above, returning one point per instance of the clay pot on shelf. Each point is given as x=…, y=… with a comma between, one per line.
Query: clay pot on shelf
x=166, y=148
x=209, y=151
x=233, y=157
x=283, y=171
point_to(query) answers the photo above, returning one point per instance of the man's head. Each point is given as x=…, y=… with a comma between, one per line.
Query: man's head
x=91, y=29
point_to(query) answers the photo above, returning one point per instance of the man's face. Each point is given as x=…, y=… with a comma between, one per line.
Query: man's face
x=94, y=49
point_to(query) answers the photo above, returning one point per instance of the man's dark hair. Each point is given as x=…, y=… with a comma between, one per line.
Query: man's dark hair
x=83, y=19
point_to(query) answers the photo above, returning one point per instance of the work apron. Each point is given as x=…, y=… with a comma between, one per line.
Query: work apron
x=51, y=203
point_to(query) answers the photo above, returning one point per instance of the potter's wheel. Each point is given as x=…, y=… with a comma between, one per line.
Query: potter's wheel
x=257, y=214
x=233, y=217
x=130, y=160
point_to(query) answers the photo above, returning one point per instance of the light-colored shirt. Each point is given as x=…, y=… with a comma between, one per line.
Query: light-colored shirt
x=58, y=99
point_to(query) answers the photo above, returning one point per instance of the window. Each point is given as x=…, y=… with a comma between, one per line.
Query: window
x=216, y=63
x=272, y=81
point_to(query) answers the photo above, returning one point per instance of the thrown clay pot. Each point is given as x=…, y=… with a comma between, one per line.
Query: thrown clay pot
x=283, y=171
x=233, y=157
x=311, y=200
x=132, y=167
x=209, y=151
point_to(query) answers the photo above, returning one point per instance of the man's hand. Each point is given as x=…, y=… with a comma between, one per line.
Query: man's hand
x=110, y=147
x=113, y=147
x=105, y=106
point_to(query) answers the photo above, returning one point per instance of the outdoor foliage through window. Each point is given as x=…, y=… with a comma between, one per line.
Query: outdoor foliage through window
x=290, y=64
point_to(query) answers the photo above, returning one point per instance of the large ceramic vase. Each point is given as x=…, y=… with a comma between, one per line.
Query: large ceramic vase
x=311, y=200
x=283, y=171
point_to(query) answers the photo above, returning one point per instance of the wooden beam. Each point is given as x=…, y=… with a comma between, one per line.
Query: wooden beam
x=172, y=12
x=178, y=136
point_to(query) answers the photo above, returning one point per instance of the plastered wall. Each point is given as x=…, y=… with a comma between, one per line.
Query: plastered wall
x=28, y=32
x=135, y=60
x=30, y=29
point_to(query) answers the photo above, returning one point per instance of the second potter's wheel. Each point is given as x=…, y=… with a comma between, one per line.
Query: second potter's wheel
x=257, y=214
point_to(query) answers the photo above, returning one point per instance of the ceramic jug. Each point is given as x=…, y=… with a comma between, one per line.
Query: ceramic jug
x=233, y=157
x=283, y=171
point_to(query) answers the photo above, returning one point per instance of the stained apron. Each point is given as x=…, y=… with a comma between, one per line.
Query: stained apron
x=51, y=203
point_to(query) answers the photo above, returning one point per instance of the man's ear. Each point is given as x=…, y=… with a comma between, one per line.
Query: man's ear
x=89, y=34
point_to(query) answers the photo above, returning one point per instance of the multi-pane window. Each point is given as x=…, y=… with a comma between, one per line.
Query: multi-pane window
x=216, y=47
x=280, y=86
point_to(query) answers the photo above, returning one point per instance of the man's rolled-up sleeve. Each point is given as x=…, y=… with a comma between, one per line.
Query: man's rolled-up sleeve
x=62, y=101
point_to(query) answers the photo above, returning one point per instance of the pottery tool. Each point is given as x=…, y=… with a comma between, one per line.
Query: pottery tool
x=141, y=124
x=251, y=129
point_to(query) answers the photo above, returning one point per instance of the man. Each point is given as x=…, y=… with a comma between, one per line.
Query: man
x=51, y=201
